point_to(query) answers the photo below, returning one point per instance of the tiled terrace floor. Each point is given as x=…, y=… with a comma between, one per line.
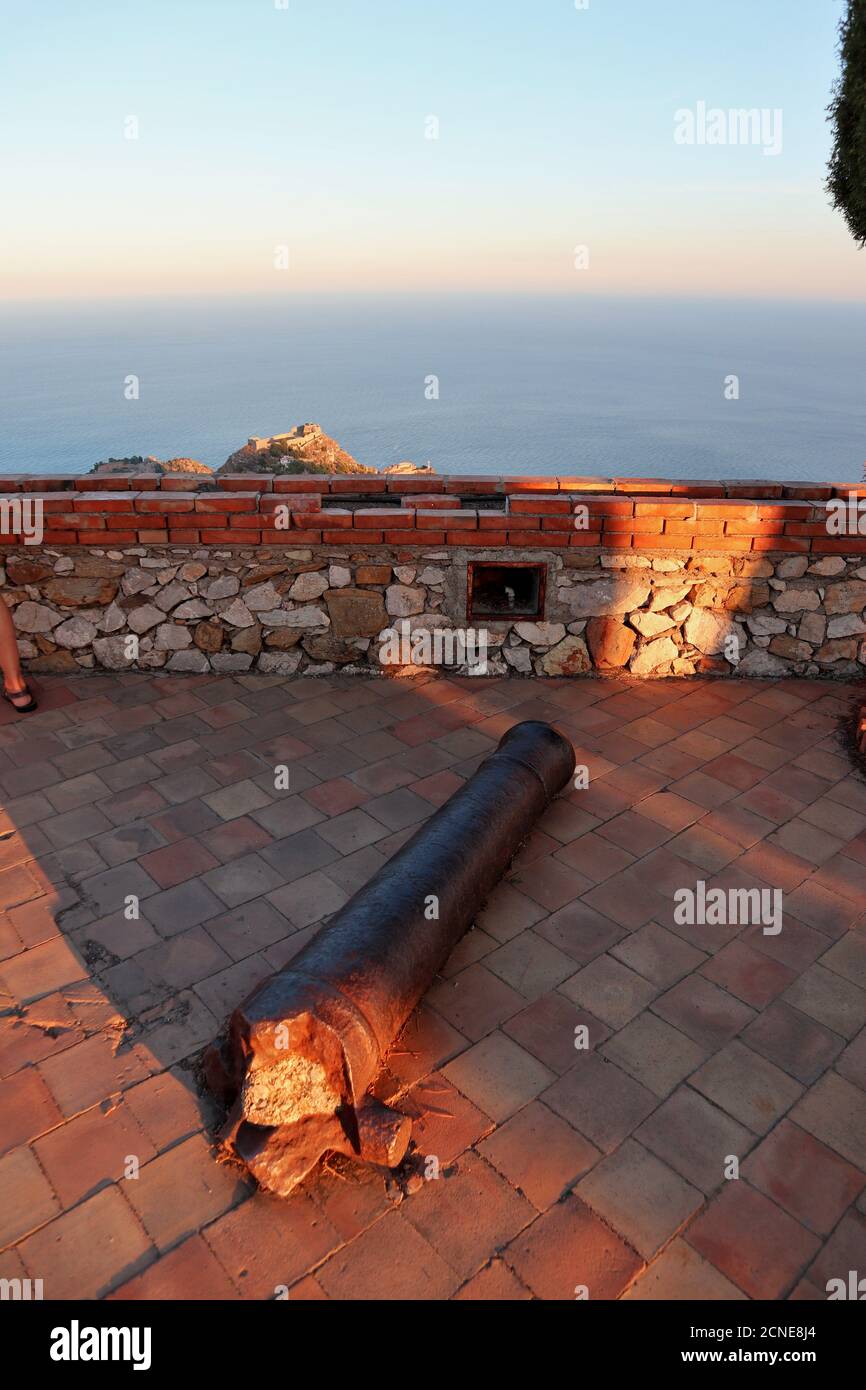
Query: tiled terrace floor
x=560, y=1167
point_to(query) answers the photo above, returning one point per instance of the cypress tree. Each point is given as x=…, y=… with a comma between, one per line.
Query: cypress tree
x=846, y=182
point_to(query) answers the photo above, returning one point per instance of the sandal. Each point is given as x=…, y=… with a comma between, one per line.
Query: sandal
x=19, y=695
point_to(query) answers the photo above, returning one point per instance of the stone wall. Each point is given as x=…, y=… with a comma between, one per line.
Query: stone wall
x=280, y=610
x=240, y=573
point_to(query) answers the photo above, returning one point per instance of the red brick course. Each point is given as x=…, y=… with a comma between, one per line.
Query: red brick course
x=632, y=513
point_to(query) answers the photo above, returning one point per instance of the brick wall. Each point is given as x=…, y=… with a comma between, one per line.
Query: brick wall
x=621, y=514
x=302, y=573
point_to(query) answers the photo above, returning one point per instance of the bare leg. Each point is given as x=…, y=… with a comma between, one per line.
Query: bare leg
x=10, y=662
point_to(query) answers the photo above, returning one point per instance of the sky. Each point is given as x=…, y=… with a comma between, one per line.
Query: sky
x=297, y=136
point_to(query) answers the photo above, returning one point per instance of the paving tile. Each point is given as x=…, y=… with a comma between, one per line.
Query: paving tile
x=287, y=816
x=747, y=1086
x=249, y=928
x=498, y=1076
x=848, y=959
x=353, y=871
x=237, y=800
x=654, y=1053
x=530, y=964
x=41, y=970
x=539, y=1153
x=679, y=1273
x=657, y=954
x=637, y=1194
x=89, y=1250
x=835, y=1112
x=265, y=1242
x=829, y=999
x=549, y=883
x=569, y=1249
x=580, y=932
x=468, y=1213
x=609, y=990
x=475, y=1001
x=308, y=899
x=749, y=974
x=390, y=1261
x=399, y=809
x=90, y=1071
x=186, y=905
x=494, y=1284
x=353, y=830
x=552, y=1029
x=595, y=858
x=167, y=1107
x=108, y=892
x=852, y=1063
x=177, y=862
x=708, y=1015
x=804, y=1177
x=189, y=1273
x=221, y=993
x=425, y=1043
x=704, y=847
x=628, y=900
x=181, y=1190
x=695, y=1138
x=244, y=879
x=844, y=1251
x=299, y=854
x=755, y=1244
x=508, y=912
x=28, y=1198
x=600, y=1100
x=445, y=1122
x=92, y=1151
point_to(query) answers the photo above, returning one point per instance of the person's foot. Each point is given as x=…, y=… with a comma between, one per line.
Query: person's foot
x=20, y=699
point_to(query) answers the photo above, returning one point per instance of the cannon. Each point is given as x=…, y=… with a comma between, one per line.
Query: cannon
x=302, y=1050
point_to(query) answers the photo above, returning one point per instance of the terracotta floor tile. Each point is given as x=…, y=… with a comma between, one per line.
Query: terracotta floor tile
x=755, y=1244
x=600, y=1101
x=695, y=1137
x=548, y=1029
x=539, y=1153
x=640, y=1197
x=748, y=1087
x=804, y=1177
x=468, y=1212
x=567, y=1251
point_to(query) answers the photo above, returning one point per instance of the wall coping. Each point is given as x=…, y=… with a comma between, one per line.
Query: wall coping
x=554, y=513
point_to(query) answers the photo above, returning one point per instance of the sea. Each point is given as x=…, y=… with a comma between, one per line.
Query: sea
x=502, y=384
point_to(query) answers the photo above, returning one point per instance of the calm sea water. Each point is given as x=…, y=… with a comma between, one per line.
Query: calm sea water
x=611, y=387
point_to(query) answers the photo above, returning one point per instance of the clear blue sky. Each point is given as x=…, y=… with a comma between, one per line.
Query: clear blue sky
x=261, y=127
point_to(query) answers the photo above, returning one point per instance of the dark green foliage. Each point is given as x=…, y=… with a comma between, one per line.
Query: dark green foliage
x=846, y=182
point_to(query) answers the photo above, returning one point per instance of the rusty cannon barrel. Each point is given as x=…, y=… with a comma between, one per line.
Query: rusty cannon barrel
x=302, y=1050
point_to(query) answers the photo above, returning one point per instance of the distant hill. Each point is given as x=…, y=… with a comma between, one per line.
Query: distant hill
x=304, y=449
x=137, y=463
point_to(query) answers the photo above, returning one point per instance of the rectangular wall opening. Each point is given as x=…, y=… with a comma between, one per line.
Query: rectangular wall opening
x=505, y=591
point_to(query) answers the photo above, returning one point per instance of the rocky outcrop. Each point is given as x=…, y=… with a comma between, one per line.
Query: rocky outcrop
x=304, y=449
x=116, y=468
